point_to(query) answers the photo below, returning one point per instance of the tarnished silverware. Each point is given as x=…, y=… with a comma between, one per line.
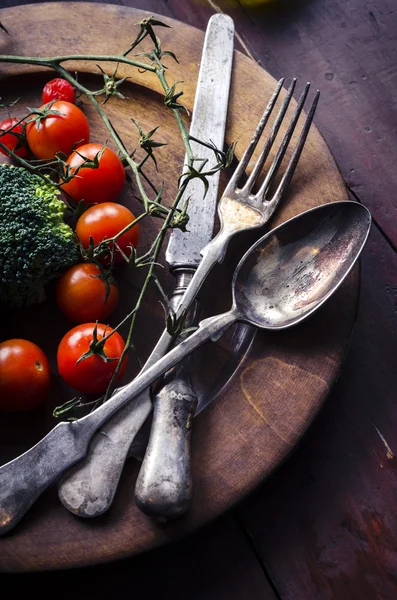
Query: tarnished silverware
x=88, y=489
x=161, y=489
x=283, y=278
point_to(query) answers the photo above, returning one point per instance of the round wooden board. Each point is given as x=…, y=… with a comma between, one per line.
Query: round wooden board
x=268, y=389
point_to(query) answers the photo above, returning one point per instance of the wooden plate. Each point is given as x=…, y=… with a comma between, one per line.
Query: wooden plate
x=268, y=387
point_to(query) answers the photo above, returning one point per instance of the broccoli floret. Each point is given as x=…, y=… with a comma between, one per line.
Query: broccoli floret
x=36, y=245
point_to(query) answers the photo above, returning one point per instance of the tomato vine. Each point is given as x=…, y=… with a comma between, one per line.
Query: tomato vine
x=174, y=216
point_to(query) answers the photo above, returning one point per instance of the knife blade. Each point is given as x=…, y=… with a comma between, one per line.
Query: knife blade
x=88, y=488
x=208, y=125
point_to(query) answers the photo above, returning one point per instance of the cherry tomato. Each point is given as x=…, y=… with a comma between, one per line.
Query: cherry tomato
x=9, y=140
x=81, y=294
x=93, y=185
x=58, y=89
x=25, y=375
x=58, y=133
x=105, y=221
x=91, y=375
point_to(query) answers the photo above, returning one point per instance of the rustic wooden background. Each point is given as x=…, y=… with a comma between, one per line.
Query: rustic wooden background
x=324, y=527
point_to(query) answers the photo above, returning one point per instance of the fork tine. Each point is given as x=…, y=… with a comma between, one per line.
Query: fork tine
x=283, y=147
x=254, y=141
x=286, y=179
x=270, y=140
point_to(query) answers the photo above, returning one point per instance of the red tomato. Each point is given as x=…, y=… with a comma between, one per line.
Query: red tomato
x=105, y=221
x=102, y=184
x=58, y=133
x=9, y=140
x=91, y=375
x=81, y=294
x=58, y=89
x=25, y=375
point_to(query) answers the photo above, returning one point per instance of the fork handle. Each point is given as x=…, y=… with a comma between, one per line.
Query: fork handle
x=164, y=486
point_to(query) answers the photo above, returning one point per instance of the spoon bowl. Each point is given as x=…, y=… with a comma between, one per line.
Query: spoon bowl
x=291, y=271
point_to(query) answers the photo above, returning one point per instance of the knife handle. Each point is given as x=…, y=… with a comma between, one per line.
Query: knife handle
x=164, y=486
x=88, y=489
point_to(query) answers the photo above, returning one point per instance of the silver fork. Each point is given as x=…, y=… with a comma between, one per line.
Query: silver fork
x=239, y=209
x=88, y=488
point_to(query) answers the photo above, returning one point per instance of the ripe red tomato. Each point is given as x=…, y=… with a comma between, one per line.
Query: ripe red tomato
x=25, y=375
x=58, y=133
x=58, y=89
x=102, y=184
x=81, y=294
x=9, y=140
x=105, y=221
x=91, y=375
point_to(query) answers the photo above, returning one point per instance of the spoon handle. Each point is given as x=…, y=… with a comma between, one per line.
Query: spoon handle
x=23, y=479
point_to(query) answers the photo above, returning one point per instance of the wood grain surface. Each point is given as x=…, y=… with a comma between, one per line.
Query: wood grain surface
x=284, y=379
x=324, y=526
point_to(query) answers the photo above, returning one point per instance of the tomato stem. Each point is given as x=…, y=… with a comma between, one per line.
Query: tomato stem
x=52, y=61
x=172, y=216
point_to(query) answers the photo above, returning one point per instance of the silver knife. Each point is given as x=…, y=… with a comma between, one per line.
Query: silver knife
x=164, y=485
x=88, y=488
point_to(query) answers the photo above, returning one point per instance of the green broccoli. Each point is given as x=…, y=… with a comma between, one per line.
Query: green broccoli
x=36, y=245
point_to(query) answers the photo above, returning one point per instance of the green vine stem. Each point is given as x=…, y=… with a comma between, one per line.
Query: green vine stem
x=158, y=244
x=52, y=61
x=172, y=216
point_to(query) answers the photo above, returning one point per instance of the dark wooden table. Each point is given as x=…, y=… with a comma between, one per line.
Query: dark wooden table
x=324, y=526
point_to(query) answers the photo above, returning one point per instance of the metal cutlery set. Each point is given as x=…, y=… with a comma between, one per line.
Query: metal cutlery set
x=282, y=279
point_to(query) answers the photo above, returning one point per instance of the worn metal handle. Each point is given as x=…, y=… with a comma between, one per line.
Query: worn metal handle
x=89, y=488
x=164, y=486
x=26, y=477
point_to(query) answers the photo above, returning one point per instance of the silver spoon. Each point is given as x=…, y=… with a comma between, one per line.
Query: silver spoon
x=287, y=275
